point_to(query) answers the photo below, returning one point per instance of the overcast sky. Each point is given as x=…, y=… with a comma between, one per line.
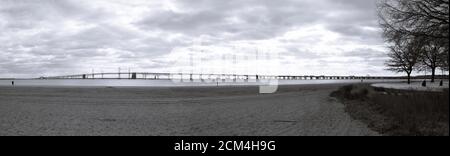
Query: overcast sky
x=297, y=37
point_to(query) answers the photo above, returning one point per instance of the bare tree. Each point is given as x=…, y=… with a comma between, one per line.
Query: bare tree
x=432, y=56
x=424, y=21
x=443, y=64
x=404, y=56
x=420, y=18
x=444, y=58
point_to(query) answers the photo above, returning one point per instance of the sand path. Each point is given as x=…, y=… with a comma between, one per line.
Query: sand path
x=294, y=110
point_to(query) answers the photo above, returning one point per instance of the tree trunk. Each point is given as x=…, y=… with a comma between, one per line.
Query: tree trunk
x=409, y=78
x=433, y=71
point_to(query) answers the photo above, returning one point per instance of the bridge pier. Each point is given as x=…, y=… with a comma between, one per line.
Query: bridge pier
x=201, y=78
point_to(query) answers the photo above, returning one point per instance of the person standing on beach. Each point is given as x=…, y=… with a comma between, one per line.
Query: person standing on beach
x=12, y=83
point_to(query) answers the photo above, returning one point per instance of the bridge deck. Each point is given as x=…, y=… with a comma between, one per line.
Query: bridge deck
x=192, y=76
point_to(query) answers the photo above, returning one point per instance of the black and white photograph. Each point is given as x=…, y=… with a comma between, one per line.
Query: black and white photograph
x=199, y=68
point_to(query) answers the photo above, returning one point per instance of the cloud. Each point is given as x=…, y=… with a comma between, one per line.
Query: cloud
x=56, y=37
x=233, y=20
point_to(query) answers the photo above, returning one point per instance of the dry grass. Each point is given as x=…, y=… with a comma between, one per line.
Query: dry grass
x=395, y=112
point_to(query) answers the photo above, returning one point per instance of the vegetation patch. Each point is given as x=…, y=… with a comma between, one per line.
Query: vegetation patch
x=397, y=112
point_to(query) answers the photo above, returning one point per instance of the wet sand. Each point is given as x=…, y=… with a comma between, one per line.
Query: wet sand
x=293, y=110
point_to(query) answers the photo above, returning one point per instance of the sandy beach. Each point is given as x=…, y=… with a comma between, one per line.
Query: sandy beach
x=293, y=110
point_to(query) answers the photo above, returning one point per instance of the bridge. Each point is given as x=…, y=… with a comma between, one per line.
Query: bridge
x=196, y=76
